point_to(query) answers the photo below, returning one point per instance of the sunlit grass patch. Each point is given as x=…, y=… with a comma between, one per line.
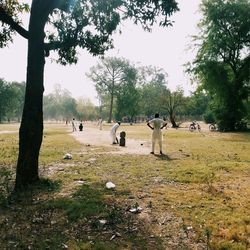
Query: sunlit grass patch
x=198, y=193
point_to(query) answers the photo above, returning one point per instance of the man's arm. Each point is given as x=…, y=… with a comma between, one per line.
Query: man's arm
x=150, y=126
x=164, y=125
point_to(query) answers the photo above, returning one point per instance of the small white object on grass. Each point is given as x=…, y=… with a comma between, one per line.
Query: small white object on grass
x=103, y=222
x=67, y=156
x=135, y=210
x=110, y=185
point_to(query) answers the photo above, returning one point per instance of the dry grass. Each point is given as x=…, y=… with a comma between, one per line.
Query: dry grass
x=194, y=197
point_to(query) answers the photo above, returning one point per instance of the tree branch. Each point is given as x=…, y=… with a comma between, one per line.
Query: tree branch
x=5, y=18
x=58, y=45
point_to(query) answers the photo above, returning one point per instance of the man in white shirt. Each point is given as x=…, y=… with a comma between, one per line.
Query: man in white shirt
x=156, y=125
x=100, y=123
x=113, y=132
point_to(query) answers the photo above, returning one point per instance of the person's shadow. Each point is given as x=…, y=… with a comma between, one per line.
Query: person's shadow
x=163, y=157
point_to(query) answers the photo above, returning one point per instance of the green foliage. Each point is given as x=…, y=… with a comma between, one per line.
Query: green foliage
x=152, y=82
x=11, y=8
x=197, y=105
x=127, y=103
x=222, y=62
x=173, y=102
x=86, y=110
x=208, y=117
x=111, y=77
x=84, y=24
x=59, y=105
x=11, y=100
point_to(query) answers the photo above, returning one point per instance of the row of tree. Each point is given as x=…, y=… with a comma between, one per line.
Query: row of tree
x=59, y=105
x=128, y=92
x=132, y=100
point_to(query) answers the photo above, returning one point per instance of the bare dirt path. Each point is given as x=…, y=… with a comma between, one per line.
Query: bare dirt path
x=8, y=131
x=96, y=137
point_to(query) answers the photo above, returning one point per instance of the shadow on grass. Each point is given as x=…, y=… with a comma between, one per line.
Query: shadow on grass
x=90, y=218
x=163, y=157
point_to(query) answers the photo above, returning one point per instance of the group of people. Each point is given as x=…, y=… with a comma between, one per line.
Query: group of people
x=156, y=124
x=74, y=125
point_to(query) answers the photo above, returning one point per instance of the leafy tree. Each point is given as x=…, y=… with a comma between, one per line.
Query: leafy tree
x=223, y=61
x=11, y=100
x=59, y=104
x=153, y=83
x=86, y=109
x=127, y=103
x=172, y=102
x=198, y=104
x=108, y=75
x=5, y=96
x=18, y=90
x=64, y=26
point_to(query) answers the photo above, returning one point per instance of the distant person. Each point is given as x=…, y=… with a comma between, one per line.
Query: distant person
x=73, y=125
x=113, y=132
x=100, y=123
x=80, y=126
x=156, y=124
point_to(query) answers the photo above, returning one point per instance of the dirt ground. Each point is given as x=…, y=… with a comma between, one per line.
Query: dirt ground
x=96, y=137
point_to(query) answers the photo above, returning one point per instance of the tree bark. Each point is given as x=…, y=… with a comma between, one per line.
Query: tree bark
x=172, y=120
x=112, y=100
x=31, y=129
x=111, y=107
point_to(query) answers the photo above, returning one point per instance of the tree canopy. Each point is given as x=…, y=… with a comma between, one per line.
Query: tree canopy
x=222, y=64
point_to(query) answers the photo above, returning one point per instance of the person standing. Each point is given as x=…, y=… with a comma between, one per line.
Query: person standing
x=73, y=125
x=113, y=132
x=100, y=123
x=156, y=125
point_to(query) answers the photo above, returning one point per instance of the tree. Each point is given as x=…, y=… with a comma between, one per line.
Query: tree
x=222, y=64
x=5, y=97
x=172, y=102
x=197, y=105
x=86, y=109
x=59, y=105
x=127, y=103
x=18, y=90
x=152, y=83
x=64, y=26
x=108, y=75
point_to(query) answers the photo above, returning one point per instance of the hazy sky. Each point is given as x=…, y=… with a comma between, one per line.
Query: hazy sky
x=163, y=47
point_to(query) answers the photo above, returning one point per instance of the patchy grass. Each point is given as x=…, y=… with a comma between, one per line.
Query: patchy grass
x=194, y=197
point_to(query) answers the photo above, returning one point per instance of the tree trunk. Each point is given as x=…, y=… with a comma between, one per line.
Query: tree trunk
x=111, y=108
x=172, y=120
x=31, y=129
x=111, y=101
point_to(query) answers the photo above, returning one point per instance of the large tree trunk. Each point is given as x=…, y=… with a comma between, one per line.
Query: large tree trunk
x=31, y=130
x=172, y=119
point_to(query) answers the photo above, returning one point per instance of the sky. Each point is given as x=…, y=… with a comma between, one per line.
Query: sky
x=165, y=48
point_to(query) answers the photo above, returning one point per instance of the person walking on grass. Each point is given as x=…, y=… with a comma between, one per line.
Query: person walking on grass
x=156, y=125
x=113, y=132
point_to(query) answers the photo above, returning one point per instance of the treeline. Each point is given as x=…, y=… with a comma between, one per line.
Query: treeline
x=11, y=100
x=134, y=99
x=127, y=92
x=59, y=105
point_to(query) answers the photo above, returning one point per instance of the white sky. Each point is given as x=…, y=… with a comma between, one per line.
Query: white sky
x=163, y=47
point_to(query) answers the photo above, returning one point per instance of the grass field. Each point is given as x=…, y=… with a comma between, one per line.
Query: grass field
x=194, y=197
